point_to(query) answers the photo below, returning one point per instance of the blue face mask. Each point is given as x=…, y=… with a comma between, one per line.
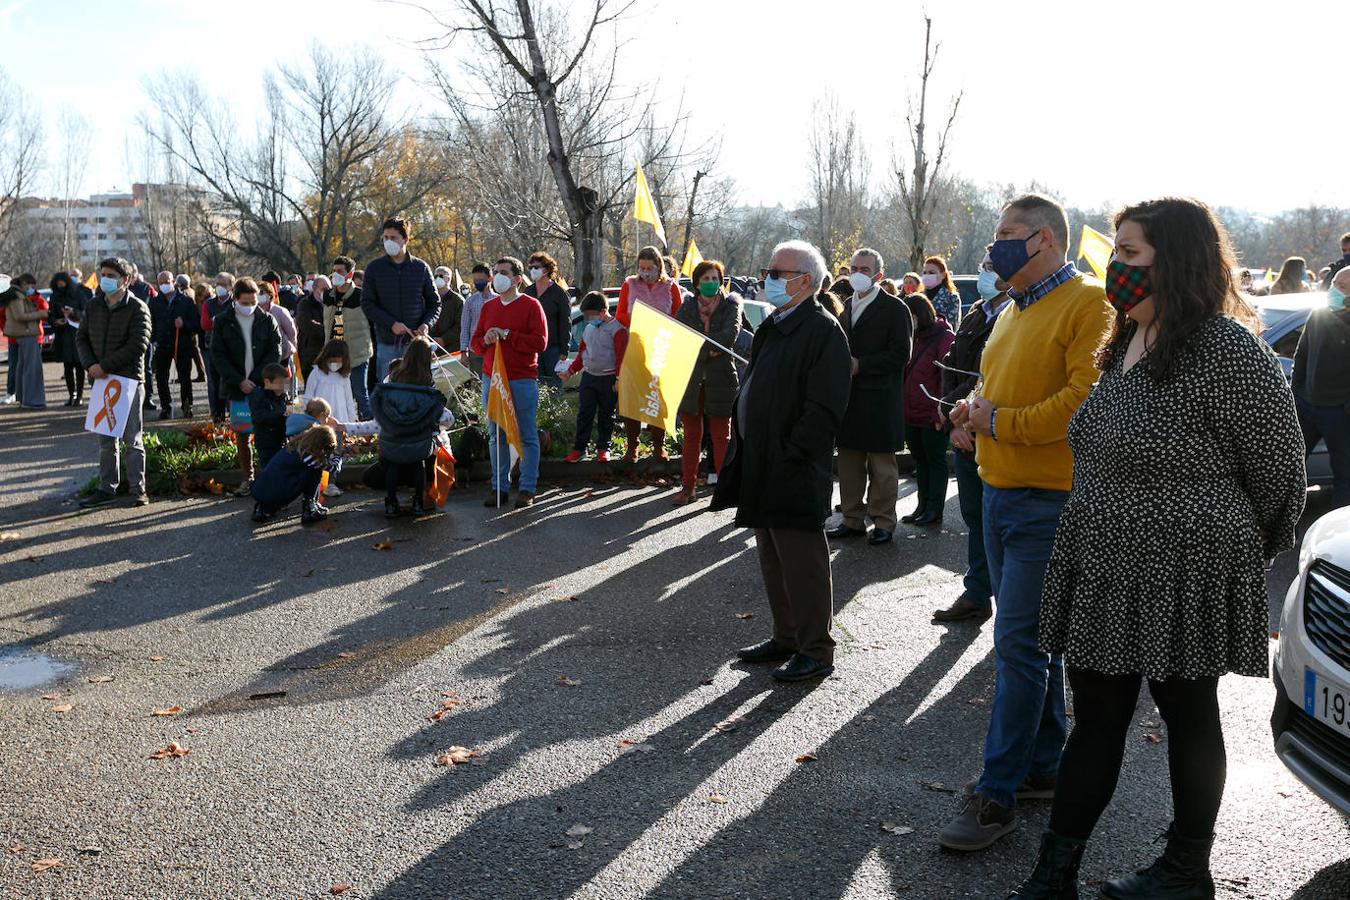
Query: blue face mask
x=987, y=284
x=108, y=285
x=1010, y=256
x=776, y=292
x=1335, y=297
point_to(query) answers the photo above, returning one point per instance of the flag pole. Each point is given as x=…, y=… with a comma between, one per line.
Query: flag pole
x=729, y=352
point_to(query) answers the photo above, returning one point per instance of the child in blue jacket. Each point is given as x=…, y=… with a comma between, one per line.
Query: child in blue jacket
x=296, y=471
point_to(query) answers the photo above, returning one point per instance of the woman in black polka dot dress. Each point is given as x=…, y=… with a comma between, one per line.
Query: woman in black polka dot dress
x=1188, y=476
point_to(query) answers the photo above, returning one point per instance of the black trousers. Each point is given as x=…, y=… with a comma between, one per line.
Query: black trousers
x=1090, y=767
x=74, y=378
x=402, y=473
x=164, y=361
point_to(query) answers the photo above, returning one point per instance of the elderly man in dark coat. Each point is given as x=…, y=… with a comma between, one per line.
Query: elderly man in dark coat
x=879, y=330
x=779, y=474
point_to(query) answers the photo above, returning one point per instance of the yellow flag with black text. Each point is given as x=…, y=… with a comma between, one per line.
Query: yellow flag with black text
x=644, y=207
x=656, y=367
x=1096, y=248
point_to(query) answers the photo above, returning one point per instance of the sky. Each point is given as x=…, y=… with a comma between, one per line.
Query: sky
x=1104, y=103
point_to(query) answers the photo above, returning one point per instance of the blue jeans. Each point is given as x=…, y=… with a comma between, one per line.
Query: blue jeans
x=360, y=390
x=385, y=354
x=548, y=361
x=1330, y=424
x=525, y=396
x=970, y=491
x=1027, y=726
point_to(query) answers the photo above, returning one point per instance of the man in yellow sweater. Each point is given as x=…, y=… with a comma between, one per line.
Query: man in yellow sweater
x=1037, y=368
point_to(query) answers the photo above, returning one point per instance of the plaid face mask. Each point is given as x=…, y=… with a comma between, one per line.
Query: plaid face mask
x=1127, y=286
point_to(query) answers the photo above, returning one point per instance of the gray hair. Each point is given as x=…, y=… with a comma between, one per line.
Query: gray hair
x=808, y=256
x=878, y=264
x=1038, y=211
x=182, y=281
x=323, y=278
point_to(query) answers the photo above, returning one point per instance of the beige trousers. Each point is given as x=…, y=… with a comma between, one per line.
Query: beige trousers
x=878, y=475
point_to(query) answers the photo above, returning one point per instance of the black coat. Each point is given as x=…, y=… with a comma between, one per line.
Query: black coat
x=164, y=308
x=227, y=350
x=115, y=337
x=64, y=334
x=966, y=352
x=714, y=375
x=408, y=415
x=881, y=342
x=309, y=334
x=268, y=414
x=780, y=473
x=447, y=326
x=557, y=308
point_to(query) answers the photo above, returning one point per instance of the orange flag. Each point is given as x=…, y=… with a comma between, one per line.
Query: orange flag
x=92, y=281
x=501, y=408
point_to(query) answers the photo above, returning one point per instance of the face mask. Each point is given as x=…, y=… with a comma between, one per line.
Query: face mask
x=264, y=300
x=775, y=292
x=709, y=288
x=166, y=289
x=221, y=291
x=647, y=276
x=334, y=366
x=1127, y=286
x=1010, y=257
x=4, y=283
x=108, y=285
x=931, y=280
x=309, y=286
x=501, y=283
x=479, y=284
x=591, y=323
x=392, y=247
x=987, y=284
x=339, y=280
x=861, y=282
x=29, y=291
x=536, y=273
x=440, y=284
x=245, y=310
x=1335, y=297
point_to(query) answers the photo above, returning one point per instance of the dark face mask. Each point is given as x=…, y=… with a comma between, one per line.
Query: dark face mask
x=479, y=285
x=1008, y=257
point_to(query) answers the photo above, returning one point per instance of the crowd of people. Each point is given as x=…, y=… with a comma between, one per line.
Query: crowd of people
x=1129, y=455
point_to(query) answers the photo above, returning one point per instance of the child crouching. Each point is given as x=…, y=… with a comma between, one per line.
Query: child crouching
x=296, y=471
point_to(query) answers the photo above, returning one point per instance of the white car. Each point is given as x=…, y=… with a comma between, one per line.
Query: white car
x=1311, y=721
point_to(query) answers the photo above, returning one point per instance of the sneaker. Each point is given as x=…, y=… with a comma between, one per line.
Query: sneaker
x=980, y=824
x=141, y=499
x=573, y=457
x=245, y=489
x=97, y=498
x=11, y=399
x=332, y=490
x=260, y=514
x=602, y=456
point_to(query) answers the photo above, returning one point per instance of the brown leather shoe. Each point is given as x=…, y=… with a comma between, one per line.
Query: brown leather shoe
x=963, y=610
x=685, y=496
x=524, y=500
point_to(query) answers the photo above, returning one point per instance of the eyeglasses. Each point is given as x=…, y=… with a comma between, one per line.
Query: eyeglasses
x=779, y=273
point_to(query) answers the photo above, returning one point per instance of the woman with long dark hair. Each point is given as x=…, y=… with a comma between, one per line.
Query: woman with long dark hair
x=1188, y=476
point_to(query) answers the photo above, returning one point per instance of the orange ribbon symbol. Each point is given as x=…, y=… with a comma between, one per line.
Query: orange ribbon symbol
x=112, y=392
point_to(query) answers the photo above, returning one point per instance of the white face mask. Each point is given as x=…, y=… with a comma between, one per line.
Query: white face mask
x=536, y=273
x=245, y=310
x=440, y=283
x=501, y=283
x=334, y=366
x=4, y=283
x=166, y=289
x=860, y=282
x=392, y=247
x=339, y=279
x=309, y=286
x=931, y=280
x=222, y=291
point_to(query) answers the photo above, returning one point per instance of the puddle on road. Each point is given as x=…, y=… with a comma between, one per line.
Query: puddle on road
x=22, y=668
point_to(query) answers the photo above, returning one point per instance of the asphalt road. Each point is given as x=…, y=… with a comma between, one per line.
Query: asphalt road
x=308, y=665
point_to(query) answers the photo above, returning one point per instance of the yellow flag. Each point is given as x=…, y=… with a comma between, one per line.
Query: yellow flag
x=691, y=260
x=644, y=207
x=501, y=408
x=656, y=367
x=92, y=281
x=1096, y=248
x=1271, y=275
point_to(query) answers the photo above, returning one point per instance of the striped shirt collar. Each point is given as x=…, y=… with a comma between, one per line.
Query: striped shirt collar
x=1044, y=286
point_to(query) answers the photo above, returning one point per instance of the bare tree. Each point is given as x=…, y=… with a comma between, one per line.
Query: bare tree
x=840, y=173
x=919, y=187
x=20, y=165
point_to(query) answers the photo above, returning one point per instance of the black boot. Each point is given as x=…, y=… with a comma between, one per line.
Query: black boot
x=1056, y=874
x=1181, y=873
x=419, y=507
x=310, y=513
x=391, y=508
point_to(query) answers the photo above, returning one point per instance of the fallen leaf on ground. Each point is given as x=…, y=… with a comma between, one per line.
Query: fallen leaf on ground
x=385, y=544
x=43, y=865
x=745, y=615
x=567, y=600
x=730, y=723
x=62, y=708
x=717, y=798
x=627, y=746
x=458, y=756
x=705, y=682
x=579, y=831
x=17, y=848
x=173, y=750
x=341, y=887
x=51, y=696
x=308, y=573
x=896, y=829
x=503, y=590
x=807, y=757
x=977, y=701
x=157, y=659
x=167, y=711
x=569, y=682
x=1154, y=738
x=100, y=679
x=937, y=786
x=346, y=654
x=105, y=581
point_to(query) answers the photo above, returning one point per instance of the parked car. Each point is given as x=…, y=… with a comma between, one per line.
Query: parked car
x=1311, y=720
x=1282, y=319
x=967, y=286
x=48, y=333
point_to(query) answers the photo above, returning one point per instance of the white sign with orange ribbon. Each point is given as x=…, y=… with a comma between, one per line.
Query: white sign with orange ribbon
x=110, y=405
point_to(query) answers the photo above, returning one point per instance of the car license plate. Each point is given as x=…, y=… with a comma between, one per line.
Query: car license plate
x=1326, y=701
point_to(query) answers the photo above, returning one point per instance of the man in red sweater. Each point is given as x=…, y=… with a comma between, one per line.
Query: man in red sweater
x=516, y=321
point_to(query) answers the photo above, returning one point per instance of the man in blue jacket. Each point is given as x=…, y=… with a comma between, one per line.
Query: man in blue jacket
x=398, y=296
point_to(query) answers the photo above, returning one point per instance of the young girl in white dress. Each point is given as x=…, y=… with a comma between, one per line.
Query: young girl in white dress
x=329, y=380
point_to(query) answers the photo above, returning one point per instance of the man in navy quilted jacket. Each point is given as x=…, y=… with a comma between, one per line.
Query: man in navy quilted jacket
x=398, y=296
